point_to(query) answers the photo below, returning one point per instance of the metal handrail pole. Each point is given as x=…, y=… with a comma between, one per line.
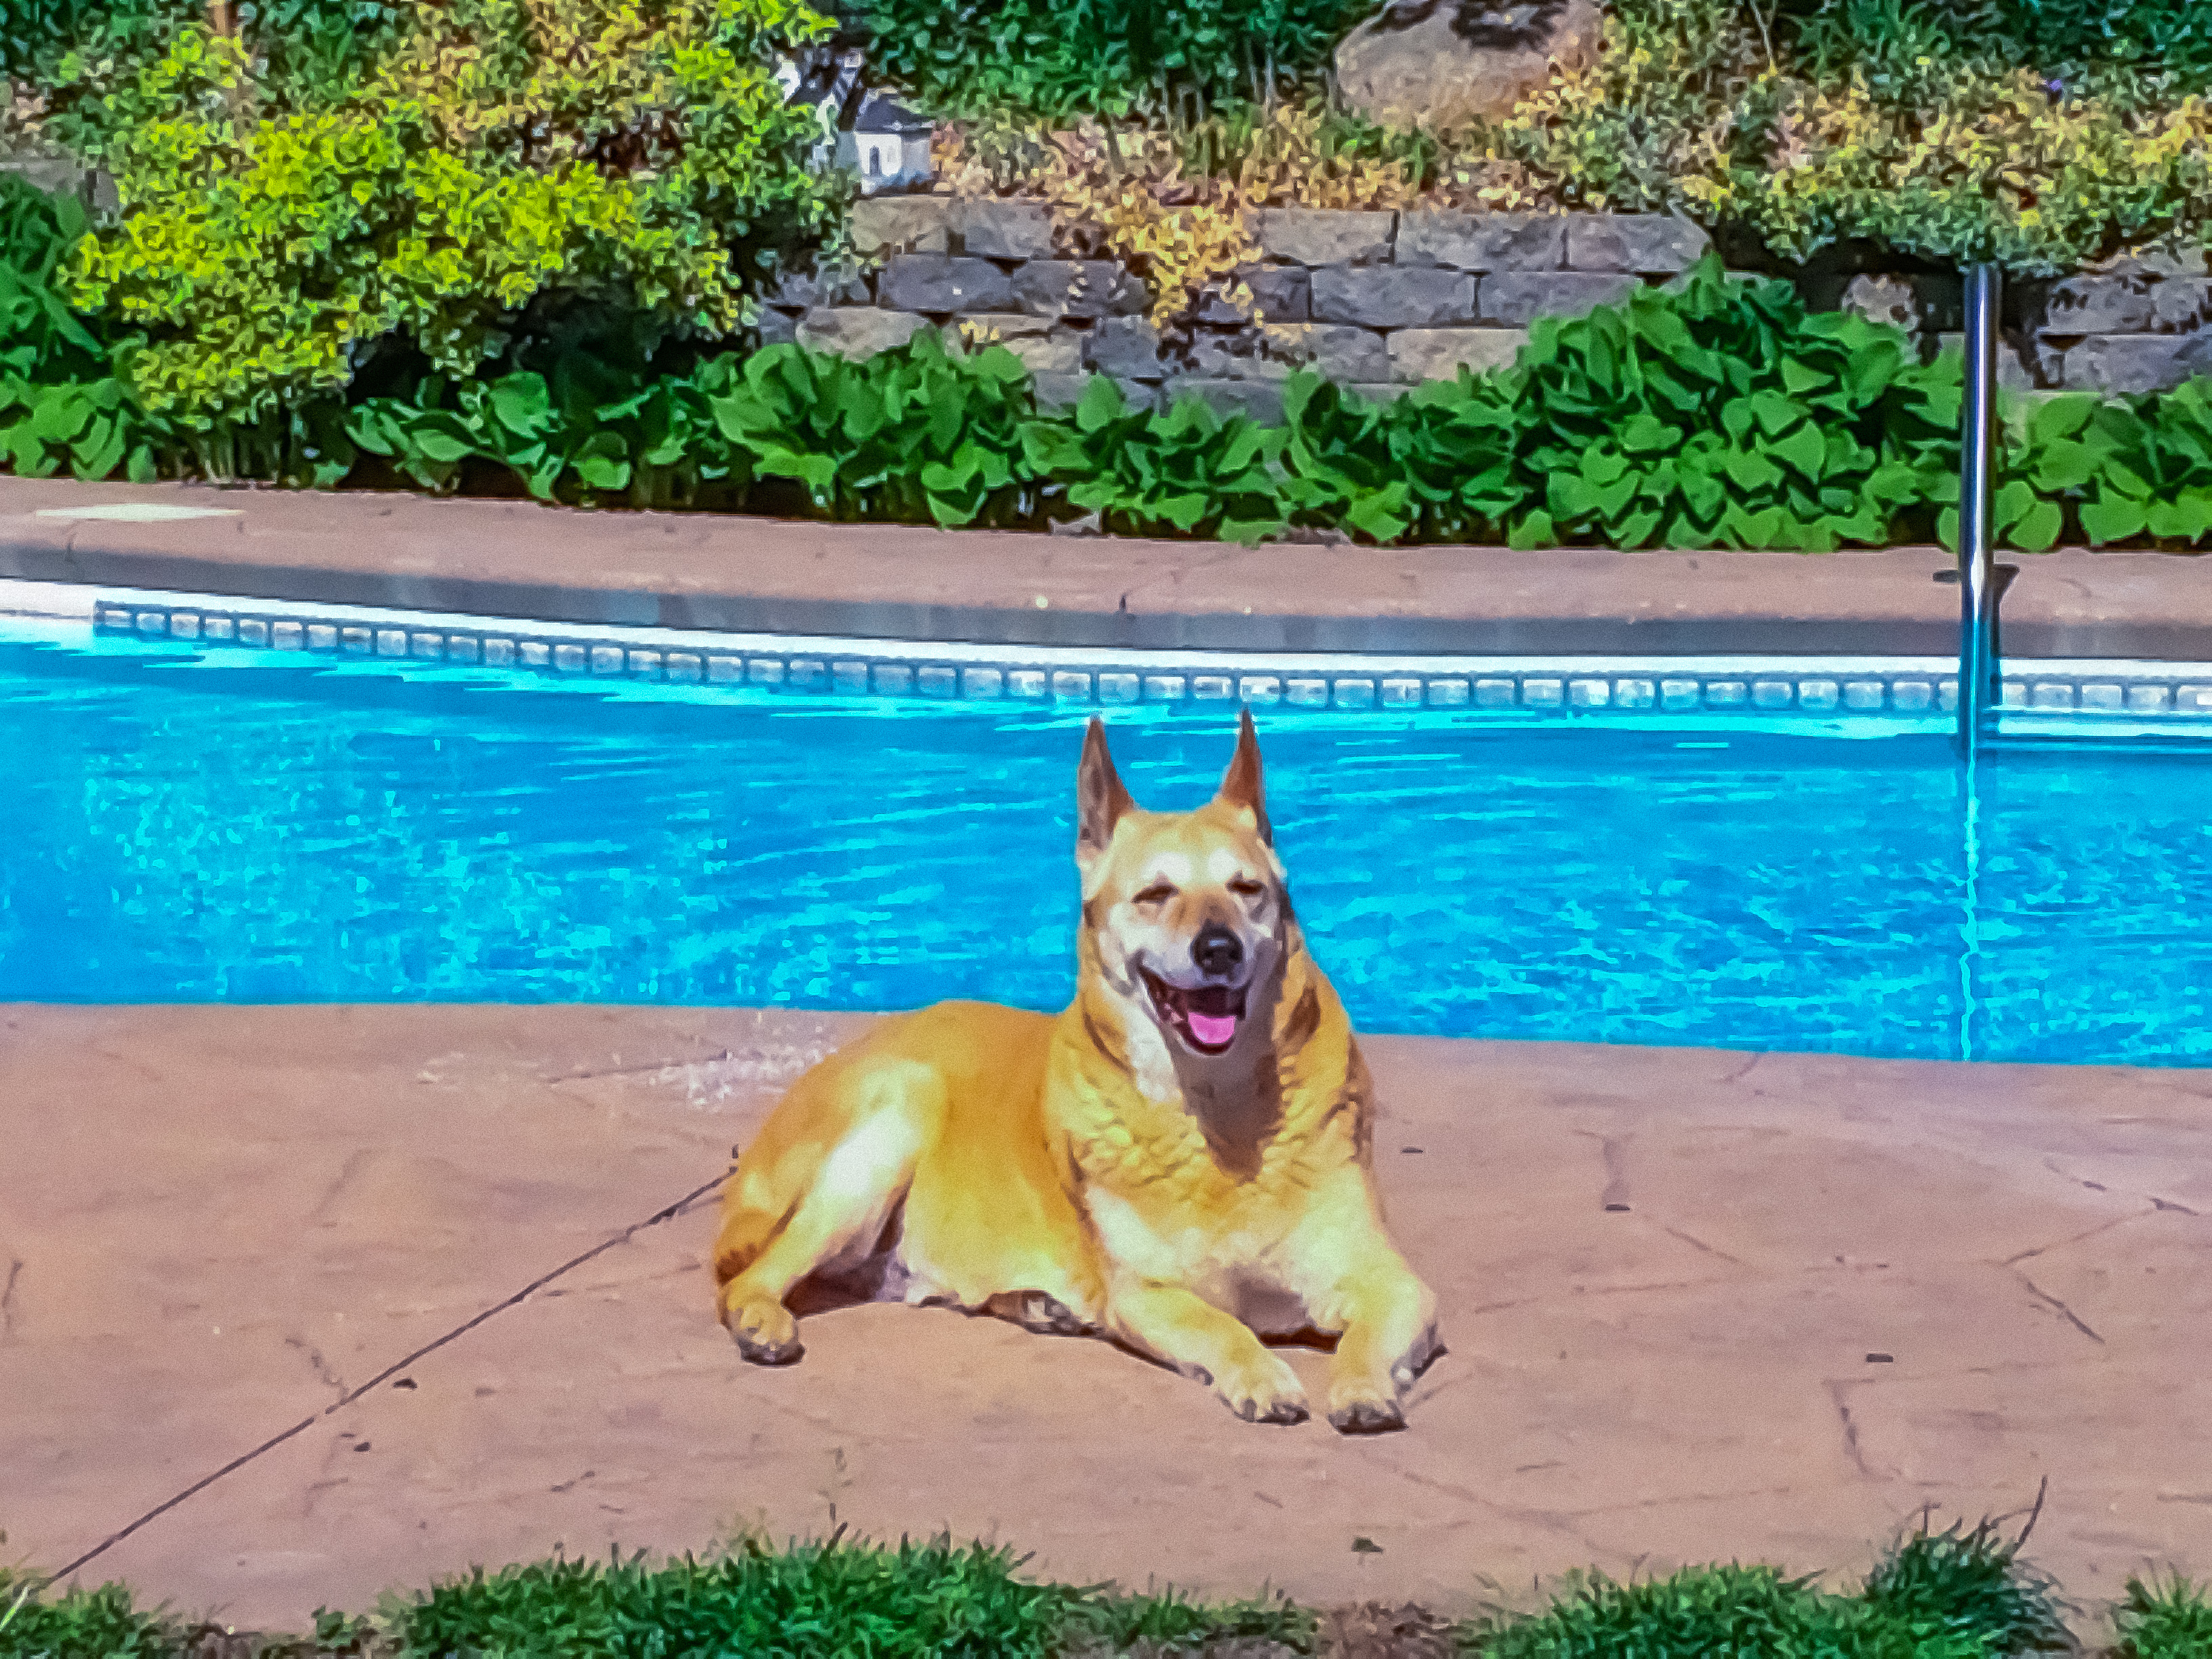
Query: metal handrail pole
x=1977, y=445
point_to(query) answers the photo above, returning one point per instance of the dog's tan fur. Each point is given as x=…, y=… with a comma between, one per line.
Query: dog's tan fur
x=1103, y=1171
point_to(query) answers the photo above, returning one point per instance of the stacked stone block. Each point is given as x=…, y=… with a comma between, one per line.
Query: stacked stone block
x=2135, y=325
x=1382, y=301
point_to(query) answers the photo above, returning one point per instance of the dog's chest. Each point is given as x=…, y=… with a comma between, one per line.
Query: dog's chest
x=1167, y=1204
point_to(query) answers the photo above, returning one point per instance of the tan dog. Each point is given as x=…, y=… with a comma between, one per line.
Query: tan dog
x=1181, y=1159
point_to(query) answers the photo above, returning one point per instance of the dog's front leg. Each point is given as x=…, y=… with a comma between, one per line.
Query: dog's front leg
x=1386, y=1319
x=1181, y=1329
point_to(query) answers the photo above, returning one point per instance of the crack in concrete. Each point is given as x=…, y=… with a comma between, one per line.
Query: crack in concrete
x=2071, y=1317
x=351, y=1167
x=1851, y=1448
x=406, y=1362
x=1654, y=1284
x=1700, y=1244
x=2075, y=1238
x=8, y=1301
x=640, y=1071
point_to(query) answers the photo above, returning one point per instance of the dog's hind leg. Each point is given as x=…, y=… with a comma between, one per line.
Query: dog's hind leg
x=812, y=1207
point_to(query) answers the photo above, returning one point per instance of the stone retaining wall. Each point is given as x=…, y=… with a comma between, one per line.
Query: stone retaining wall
x=1381, y=302
x=2138, y=324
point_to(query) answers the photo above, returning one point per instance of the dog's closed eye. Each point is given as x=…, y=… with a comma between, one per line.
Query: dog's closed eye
x=1158, y=893
x=1245, y=887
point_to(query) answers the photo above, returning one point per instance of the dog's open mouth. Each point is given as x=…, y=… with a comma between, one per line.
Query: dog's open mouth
x=1206, y=1018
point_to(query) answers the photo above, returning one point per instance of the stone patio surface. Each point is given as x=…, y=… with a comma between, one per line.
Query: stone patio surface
x=218, y=1223
x=890, y=582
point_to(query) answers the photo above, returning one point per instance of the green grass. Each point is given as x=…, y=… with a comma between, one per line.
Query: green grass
x=1962, y=1593
x=1969, y=1580
x=99, y=1624
x=2166, y=1619
x=1718, y=1612
x=831, y=1598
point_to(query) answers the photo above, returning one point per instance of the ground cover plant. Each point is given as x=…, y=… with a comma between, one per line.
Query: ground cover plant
x=1962, y=1593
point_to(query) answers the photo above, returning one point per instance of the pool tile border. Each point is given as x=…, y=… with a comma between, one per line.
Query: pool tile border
x=1911, y=689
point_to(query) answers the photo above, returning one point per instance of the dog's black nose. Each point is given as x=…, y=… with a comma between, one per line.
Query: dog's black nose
x=1216, y=951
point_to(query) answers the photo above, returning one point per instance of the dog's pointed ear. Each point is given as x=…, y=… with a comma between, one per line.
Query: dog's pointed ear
x=1100, y=799
x=1241, y=785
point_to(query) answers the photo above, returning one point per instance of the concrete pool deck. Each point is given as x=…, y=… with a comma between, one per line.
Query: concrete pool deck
x=218, y=1223
x=731, y=572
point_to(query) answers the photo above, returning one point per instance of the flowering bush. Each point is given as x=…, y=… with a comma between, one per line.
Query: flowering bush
x=1993, y=167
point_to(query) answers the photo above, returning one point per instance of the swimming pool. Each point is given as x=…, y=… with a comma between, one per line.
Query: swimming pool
x=188, y=823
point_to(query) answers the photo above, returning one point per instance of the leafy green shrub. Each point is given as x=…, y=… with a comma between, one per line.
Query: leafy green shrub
x=908, y=434
x=1436, y=465
x=591, y=428
x=1720, y=414
x=501, y=153
x=2164, y=1619
x=827, y=1599
x=1142, y=471
x=2125, y=470
x=1156, y=59
x=61, y=404
x=1717, y=1613
x=40, y=32
x=1725, y=416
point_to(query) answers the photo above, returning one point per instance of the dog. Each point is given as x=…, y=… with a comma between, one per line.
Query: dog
x=1182, y=1161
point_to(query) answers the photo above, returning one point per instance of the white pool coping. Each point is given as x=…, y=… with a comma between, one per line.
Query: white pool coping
x=1909, y=688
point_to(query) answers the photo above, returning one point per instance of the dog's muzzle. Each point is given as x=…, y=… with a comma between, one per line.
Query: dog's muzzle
x=1205, y=1017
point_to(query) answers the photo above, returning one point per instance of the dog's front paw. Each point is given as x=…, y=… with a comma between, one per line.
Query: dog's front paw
x=1364, y=1407
x=764, y=1331
x=1265, y=1391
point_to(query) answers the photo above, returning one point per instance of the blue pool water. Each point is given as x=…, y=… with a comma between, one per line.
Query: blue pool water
x=187, y=825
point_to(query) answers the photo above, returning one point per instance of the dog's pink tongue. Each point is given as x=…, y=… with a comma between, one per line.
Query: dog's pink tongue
x=1212, y=1030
